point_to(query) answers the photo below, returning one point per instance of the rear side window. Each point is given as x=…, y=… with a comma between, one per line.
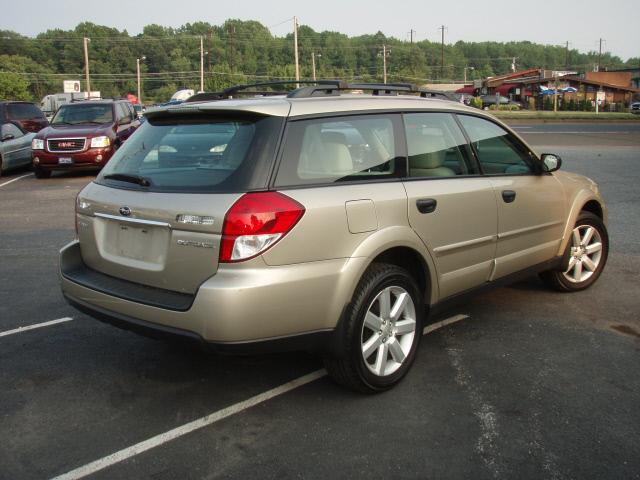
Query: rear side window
x=499, y=152
x=436, y=146
x=197, y=154
x=339, y=149
x=23, y=111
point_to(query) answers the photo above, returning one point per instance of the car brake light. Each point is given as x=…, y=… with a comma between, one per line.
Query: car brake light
x=256, y=222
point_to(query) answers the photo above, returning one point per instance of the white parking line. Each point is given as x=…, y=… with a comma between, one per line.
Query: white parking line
x=210, y=419
x=15, y=179
x=447, y=321
x=37, y=325
x=189, y=427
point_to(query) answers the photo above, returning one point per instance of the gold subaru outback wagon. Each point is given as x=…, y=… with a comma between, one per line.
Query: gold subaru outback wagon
x=331, y=217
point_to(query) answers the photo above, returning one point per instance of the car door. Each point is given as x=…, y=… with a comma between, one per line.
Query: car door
x=123, y=117
x=450, y=205
x=16, y=146
x=531, y=204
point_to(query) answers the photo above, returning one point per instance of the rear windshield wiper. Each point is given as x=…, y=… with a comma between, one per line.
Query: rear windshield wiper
x=123, y=177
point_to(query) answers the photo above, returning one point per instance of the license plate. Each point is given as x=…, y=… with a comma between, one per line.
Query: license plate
x=65, y=161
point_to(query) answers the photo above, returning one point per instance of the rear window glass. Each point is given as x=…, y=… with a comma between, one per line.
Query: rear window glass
x=198, y=154
x=23, y=111
x=339, y=149
x=77, y=114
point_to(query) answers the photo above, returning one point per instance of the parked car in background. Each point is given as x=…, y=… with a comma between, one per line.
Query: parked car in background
x=488, y=100
x=323, y=220
x=25, y=114
x=635, y=107
x=15, y=146
x=83, y=135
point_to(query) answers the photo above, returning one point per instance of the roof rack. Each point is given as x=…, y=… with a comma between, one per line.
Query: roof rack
x=245, y=89
x=319, y=88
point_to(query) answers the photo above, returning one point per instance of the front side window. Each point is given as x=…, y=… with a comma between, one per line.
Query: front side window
x=10, y=129
x=339, y=149
x=209, y=154
x=498, y=151
x=98, y=113
x=436, y=146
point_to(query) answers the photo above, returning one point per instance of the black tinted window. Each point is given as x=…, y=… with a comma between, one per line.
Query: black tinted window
x=338, y=149
x=198, y=154
x=23, y=111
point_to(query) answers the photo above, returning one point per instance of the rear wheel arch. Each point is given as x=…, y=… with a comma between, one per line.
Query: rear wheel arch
x=410, y=260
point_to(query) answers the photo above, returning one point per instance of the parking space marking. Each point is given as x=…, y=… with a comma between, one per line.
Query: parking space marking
x=207, y=420
x=37, y=325
x=447, y=321
x=212, y=418
x=15, y=179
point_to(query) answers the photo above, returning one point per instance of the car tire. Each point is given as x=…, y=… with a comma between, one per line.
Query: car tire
x=40, y=173
x=586, y=252
x=380, y=332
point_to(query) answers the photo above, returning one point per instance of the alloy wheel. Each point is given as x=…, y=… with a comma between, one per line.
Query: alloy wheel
x=388, y=331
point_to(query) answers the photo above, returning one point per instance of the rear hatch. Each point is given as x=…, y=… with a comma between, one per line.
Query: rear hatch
x=155, y=213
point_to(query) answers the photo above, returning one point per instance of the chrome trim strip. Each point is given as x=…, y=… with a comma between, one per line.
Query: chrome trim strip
x=466, y=243
x=520, y=231
x=138, y=221
x=84, y=145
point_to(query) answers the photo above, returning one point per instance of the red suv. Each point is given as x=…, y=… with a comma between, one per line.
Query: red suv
x=83, y=135
x=25, y=114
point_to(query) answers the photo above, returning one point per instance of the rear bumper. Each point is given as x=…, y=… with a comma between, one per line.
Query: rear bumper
x=81, y=160
x=238, y=308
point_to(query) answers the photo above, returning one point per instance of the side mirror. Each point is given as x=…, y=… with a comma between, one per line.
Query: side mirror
x=550, y=162
x=8, y=136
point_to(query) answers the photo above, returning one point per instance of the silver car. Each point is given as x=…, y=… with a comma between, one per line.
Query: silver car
x=15, y=147
x=327, y=219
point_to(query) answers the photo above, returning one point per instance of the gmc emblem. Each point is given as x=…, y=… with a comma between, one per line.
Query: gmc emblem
x=66, y=144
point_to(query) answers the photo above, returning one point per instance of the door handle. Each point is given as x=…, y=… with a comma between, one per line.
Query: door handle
x=426, y=205
x=508, y=196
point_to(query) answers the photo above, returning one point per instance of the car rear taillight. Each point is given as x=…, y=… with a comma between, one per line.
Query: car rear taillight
x=255, y=223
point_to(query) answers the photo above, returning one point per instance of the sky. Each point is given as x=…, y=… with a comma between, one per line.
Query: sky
x=581, y=22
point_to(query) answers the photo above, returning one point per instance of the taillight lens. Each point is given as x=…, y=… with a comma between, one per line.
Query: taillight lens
x=255, y=223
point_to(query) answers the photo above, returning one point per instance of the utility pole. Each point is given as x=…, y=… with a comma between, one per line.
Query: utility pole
x=295, y=46
x=566, y=56
x=442, y=27
x=313, y=63
x=599, y=55
x=465, y=72
x=411, y=32
x=384, y=63
x=138, y=74
x=201, y=63
x=209, y=50
x=86, y=65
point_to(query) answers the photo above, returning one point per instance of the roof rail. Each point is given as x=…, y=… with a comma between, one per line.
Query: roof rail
x=250, y=89
x=375, y=88
x=318, y=88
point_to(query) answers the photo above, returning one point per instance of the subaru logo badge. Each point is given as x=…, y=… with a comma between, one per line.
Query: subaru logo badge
x=126, y=211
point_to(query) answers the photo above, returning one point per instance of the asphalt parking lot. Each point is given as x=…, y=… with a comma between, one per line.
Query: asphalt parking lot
x=523, y=382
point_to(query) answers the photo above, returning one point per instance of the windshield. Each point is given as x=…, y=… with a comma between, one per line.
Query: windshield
x=196, y=154
x=77, y=114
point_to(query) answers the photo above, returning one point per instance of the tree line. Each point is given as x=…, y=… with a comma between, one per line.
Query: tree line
x=246, y=51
